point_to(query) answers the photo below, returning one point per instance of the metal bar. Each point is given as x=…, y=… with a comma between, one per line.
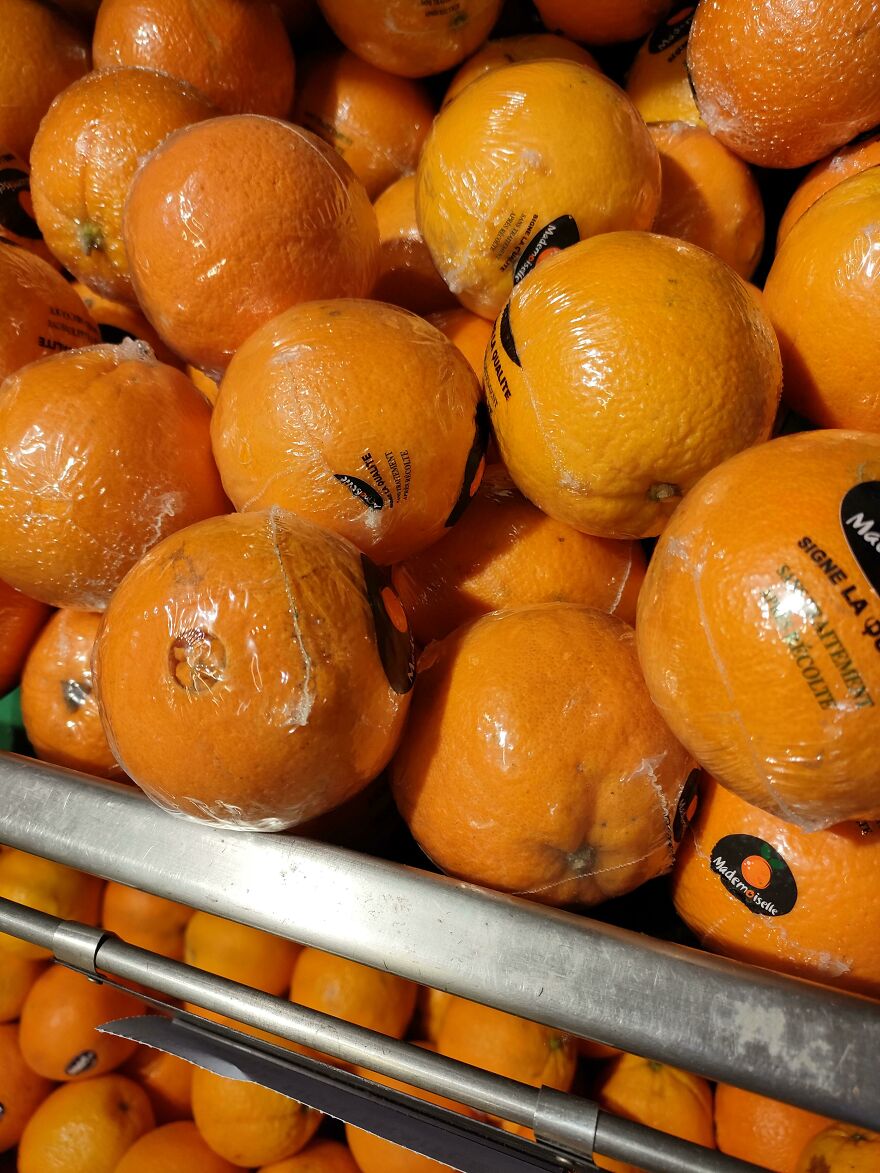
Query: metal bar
x=780, y=1037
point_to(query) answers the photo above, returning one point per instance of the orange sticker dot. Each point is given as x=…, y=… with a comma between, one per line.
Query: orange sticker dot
x=478, y=476
x=394, y=609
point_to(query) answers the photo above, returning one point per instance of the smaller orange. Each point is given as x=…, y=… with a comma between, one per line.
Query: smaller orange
x=21, y=619
x=22, y=1090
x=118, y=321
x=148, y=921
x=58, y=1020
x=85, y=1127
x=173, y=1148
x=49, y=887
x=16, y=978
x=862, y=153
x=842, y=1148
x=167, y=1081
x=407, y=275
x=17, y=223
x=468, y=331
x=599, y=22
x=321, y=1156
x=764, y=1131
x=239, y=953
x=658, y=84
x=507, y=50
x=431, y=1007
x=208, y=386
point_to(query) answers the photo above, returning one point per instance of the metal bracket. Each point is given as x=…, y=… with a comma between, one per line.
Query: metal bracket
x=567, y=1121
x=76, y=946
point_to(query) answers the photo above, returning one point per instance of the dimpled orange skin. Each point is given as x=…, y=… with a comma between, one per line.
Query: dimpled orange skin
x=599, y=22
x=121, y=458
x=842, y=1148
x=709, y=196
x=408, y=276
x=520, y=147
x=148, y=921
x=42, y=313
x=712, y=630
x=763, y=1131
x=59, y=708
x=468, y=331
x=85, y=1127
x=211, y=259
x=16, y=978
x=118, y=321
x=410, y=38
x=235, y=52
x=250, y=642
x=84, y=158
x=49, y=887
x=516, y=770
x=823, y=296
x=326, y=382
x=42, y=54
x=657, y=83
x=17, y=223
x=21, y=1089
x=167, y=1081
x=371, y=998
x=375, y=120
x=507, y=50
x=658, y=1096
x=321, y=1156
x=850, y=160
x=807, y=941
x=21, y=620
x=643, y=363
x=505, y=553
x=173, y=1148
x=783, y=83
x=240, y=953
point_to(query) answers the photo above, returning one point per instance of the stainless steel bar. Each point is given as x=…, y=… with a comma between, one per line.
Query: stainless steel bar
x=644, y=1147
x=777, y=1036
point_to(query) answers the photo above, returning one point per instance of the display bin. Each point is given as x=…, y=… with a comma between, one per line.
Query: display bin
x=782, y=1037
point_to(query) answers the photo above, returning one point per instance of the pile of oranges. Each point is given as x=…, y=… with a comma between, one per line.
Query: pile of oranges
x=472, y=402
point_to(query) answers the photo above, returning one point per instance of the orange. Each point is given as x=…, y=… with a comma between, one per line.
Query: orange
x=533, y=760
x=58, y=1034
x=505, y=553
x=411, y=38
x=842, y=1148
x=622, y=371
x=16, y=978
x=173, y=1148
x=22, y=1090
x=85, y=1127
x=167, y=1081
x=118, y=321
x=21, y=619
x=58, y=706
x=375, y=120
x=233, y=658
x=147, y=921
x=115, y=446
x=658, y=1096
x=49, y=316
x=407, y=274
x=468, y=331
x=236, y=52
x=240, y=953
x=356, y=415
x=84, y=157
x=211, y=259
x=763, y=1131
x=372, y=998
x=857, y=156
x=709, y=196
x=17, y=223
x=590, y=1049
x=758, y=626
x=601, y=21
x=49, y=887
x=42, y=54
x=783, y=84
x=431, y=1007
x=530, y=158
x=208, y=386
x=658, y=84
x=248, y=1124
x=507, y=50
x=321, y=1156
x=785, y=921
x=823, y=296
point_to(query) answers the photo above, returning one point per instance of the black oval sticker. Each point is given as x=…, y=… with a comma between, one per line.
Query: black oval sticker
x=674, y=29
x=393, y=637
x=360, y=489
x=755, y=873
x=81, y=1063
x=860, y=518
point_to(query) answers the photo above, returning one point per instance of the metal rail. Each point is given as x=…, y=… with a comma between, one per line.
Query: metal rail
x=781, y=1037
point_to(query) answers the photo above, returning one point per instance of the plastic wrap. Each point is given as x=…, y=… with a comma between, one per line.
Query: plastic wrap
x=358, y=416
x=534, y=761
x=407, y=275
x=599, y=22
x=784, y=83
x=254, y=671
x=759, y=889
x=857, y=156
x=376, y=121
x=759, y=626
x=507, y=50
x=823, y=297
x=506, y=553
x=103, y=451
x=527, y=160
x=413, y=38
x=621, y=372
x=658, y=83
x=233, y=220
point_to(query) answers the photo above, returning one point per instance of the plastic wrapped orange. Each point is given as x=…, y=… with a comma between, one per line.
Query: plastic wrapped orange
x=601, y=21
x=211, y=261
x=21, y=619
x=407, y=275
x=533, y=760
x=507, y=50
x=116, y=447
x=251, y=671
x=622, y=371
x=658, y=84
x=529, y=159
x=468, y=331
x=759, y=626
x=356, y=415
x=118, y=321
x=17, y=223
x=859, y=155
